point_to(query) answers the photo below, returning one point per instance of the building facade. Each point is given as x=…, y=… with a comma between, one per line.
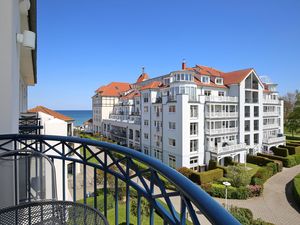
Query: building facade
x=193, y=115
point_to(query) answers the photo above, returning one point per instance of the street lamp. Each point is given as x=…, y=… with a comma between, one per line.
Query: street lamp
x=227, y=184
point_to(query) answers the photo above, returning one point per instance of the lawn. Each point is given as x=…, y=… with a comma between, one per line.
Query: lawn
x=253, y=169
x=121, y=212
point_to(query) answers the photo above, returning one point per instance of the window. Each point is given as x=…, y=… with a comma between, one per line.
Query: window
x=194, y=111
x=172, y=142
x=146, y=122
x=193, y=128
x=247, y=111
x=247, y=139
x=219, y=80
x=146, y=136
x=194, y=160
x=247, y=125
x=172, y=161
x=172, y=108
x=145, y=108
x=158, y=154
x=256, y=138
x=221, y=93
x=130, y=134
x=193, y=145
x=256, y=124
x=145, y=96
x=205, y=79
x=172, y=125
x=146, y=150
x=207, y=93
x=256, y=111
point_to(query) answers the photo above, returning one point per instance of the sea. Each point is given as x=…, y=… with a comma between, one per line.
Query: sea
x=80, y=116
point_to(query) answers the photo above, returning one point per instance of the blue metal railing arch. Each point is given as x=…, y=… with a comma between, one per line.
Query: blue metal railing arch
x=189, y=193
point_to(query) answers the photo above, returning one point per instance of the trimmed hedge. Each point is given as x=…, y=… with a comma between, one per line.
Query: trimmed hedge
x=293, y=149
x=280, y=151
x=258, y=160
x=294, y=143
x=296, y=188
x=244, y=192
x=288, y=161
x=212, y=164
x=185, y=171
x=207, y=176
x=292, y=138
x=263, y=174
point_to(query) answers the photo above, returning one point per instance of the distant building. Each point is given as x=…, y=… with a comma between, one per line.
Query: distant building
x=189, y=116
x=88, y=126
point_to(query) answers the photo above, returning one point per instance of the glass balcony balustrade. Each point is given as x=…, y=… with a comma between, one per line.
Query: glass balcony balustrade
x=103, y=180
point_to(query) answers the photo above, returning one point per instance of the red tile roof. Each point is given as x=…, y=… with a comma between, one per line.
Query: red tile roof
x=205, y=70
x=152, y=85
x=236, y=77
x=211, y=84
x=113, y=89
x=51, y=113
x=142, y=77
x=131, y=95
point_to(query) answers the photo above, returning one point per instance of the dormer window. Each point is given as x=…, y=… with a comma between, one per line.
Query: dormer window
x=219, y=81
x=205, y=79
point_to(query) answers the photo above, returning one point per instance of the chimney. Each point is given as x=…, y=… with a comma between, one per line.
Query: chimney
x=183, y=65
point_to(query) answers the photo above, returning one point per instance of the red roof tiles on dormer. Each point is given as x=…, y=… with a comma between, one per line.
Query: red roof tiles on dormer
x=152, y=85
x=113, y=89
x=131, y=95
x=142, y=77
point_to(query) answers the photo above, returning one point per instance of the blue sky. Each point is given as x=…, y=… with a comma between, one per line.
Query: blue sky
x=83, y=44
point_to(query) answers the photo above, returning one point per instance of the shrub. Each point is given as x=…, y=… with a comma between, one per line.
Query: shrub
x=296, y=188
x=258, y=160
x=255, y=190
x=185, y=171
x=212, y=165
x=280, y=151
x=238, y=175
x=207, y=176
x=293, y=138
x=297, y=159
x=287, y=161
x=278, y=164
x=262, y=174
x=293, y=149
x=219, y=190
x=272, y=167
x=222, y=168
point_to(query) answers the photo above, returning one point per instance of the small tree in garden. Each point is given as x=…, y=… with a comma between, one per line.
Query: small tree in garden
x=238, y=175
x=145, y=208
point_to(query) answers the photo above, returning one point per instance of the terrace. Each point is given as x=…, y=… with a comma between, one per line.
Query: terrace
x=170, y=195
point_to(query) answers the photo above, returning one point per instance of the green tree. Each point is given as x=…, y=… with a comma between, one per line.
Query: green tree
x=238, y=175
x=293, y=121
x=145, y=208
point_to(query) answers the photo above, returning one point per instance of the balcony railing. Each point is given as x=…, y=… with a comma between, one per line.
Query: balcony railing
x=274, y=140
x=270, y=101
x=228, y=148
x=221, y=131
x=266, y=114
x=123, y=165
x=221, y=99
x=270, y=126
x=221, y=114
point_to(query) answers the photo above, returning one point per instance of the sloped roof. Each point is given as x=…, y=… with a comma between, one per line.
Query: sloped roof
x=131, y=95
x=142, y=77
x=152, y=85
x=236, y=77
x=197, y=80
x=51, y=113
x=205, y=70
x=113, y=89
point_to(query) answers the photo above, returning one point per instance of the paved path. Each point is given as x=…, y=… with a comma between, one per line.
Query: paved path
x=276, y=205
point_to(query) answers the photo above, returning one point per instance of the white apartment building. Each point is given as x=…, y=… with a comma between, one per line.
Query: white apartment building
x=187, y=117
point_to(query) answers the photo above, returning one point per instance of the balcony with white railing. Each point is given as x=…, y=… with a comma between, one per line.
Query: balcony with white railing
x=275, y=113
x=135, y=119
x=221, y=131
x=274, y=140
x=270, y=126
x=270, y=101
x=221, y=114
x=221, y=99
x=228, y=148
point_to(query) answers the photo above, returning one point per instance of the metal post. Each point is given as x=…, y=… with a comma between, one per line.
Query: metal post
x=226, y=205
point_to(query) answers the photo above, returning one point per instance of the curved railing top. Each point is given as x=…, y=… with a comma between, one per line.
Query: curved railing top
x=212, y=210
